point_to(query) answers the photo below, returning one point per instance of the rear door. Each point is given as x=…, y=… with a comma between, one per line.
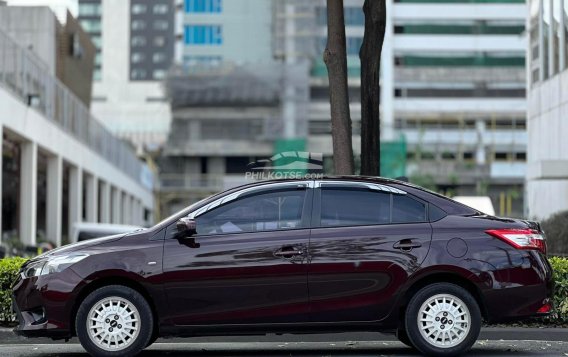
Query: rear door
x=366, y=240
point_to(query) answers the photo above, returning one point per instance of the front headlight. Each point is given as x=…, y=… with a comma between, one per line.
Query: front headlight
x=33, y=269
x=52, y=265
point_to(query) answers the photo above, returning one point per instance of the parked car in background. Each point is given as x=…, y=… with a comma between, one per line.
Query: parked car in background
x=84, y=230
x=294, y=256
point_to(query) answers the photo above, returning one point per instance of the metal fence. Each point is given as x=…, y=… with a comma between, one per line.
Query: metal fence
x=28, y=77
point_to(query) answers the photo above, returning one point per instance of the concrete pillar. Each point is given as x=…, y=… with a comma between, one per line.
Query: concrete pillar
x=116, y=206
x=92, y=199
x=134, y=210
x=28, y=193
x=126, y=212
x=480, y=154
x=75, y=199
x=54, y=200
x=105, y=202
x=1, y=165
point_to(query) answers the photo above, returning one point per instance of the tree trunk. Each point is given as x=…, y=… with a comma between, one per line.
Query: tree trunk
x=370, y=55
x=335, y=58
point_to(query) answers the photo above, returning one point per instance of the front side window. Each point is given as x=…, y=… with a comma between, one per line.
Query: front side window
x=273, y=210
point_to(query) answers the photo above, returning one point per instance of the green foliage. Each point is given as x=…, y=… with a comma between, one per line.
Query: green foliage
x=556, y=230
x=560, y=275
x=9, y=268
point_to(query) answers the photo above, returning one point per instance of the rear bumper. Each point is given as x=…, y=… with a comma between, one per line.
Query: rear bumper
x=525, y=291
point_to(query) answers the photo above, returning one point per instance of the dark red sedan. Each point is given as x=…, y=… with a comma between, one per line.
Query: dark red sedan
x=294, y=256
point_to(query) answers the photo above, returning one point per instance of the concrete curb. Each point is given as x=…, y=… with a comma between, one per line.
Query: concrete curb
x=7, y=336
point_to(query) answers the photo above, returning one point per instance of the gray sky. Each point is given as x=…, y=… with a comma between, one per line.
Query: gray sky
x=58, y=6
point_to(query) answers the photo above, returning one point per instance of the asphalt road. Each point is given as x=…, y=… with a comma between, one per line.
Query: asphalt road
x=484, y=348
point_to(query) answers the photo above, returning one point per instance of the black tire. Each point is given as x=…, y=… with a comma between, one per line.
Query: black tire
x=403, y=337
x=144, y=328
x=152, y=339
x=464, y=340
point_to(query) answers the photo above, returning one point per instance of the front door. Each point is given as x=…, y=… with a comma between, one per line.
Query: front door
x=364, y=245
x=247, y=263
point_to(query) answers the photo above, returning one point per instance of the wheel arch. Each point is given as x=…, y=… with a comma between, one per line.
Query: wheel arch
x=443, y=277
x=113, y=280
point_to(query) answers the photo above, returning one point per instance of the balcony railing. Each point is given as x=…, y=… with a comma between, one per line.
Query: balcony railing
x=28, y=78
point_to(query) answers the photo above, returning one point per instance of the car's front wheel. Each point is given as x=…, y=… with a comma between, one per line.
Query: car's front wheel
x=443, y=319
x=114, y=320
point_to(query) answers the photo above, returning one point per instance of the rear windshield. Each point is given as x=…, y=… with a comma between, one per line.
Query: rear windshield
x=446, y=204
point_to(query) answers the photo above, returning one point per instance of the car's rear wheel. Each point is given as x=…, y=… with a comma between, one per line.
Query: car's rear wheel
x=114, y=320
x=443, y=319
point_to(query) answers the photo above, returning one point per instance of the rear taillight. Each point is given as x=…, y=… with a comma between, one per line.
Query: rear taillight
x=521, y=238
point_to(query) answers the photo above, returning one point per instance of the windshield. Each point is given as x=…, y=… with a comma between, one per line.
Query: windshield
x=183, y=212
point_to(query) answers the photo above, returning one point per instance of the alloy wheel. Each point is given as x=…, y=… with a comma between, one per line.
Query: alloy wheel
x=444, y=320
x=113, y=323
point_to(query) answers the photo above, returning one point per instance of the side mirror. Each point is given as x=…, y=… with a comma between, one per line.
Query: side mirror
x=186, y=226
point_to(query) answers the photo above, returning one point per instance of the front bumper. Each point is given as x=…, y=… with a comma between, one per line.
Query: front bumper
x=43, y=305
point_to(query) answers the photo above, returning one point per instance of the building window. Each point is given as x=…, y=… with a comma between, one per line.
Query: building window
x=160, y=9
x=137, y=57
x=161, y=25
x=97, y=74
x=98, y=59
x=91, y=25
x=534, y=40
x=159, y=74
x=203, y=6
x=159, y=41
x=138, y=25
x=138, y=41
x=89, y=9
x=203, y=35
x=158, y=57
x=354, y=16
x=138, y=73
x=546, y=15
x=96, y=41
x=190, y=61
x=139, y=9
x=354, y=45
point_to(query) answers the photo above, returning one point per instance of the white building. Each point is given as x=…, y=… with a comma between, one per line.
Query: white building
x=214, y=31
x=547, y=174
x=60, y=165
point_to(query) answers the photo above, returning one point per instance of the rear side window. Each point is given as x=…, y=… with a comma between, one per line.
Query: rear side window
x=353, y=207
x=359, y=207
x=406, y=210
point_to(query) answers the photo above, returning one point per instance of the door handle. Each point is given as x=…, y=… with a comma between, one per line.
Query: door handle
x=288, y=252
x=406, y=245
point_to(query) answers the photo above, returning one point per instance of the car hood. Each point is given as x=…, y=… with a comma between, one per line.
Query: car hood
x=79, y=245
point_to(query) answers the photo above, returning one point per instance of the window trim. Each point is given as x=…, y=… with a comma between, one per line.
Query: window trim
x=316, y=210
x=250, y=190
x=305, y=218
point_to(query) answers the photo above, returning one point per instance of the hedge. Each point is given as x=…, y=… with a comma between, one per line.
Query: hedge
x=560, y=274
x=9, y=268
